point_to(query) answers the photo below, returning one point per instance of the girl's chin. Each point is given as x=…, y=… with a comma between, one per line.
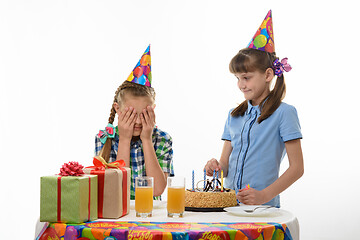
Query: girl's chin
x=136, y=133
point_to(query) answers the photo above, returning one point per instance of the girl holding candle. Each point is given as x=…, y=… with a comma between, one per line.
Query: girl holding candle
x=261, y=129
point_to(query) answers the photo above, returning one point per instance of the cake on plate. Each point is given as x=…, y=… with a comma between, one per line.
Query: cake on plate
x=209, y=197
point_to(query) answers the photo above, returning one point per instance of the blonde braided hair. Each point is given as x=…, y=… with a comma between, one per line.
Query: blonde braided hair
x=126, y=87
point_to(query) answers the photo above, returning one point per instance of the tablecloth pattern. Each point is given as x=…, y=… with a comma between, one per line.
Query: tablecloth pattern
x=133, y=230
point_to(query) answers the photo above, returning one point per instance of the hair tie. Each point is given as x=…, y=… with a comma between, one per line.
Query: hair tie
x=281, y=66
x=109, y=132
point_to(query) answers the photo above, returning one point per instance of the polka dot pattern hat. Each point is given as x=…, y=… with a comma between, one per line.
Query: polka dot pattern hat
x=264, y=36
x=141, y=74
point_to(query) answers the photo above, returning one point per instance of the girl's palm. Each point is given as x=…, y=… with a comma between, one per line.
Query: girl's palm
x=147, y=118
x=126, y=121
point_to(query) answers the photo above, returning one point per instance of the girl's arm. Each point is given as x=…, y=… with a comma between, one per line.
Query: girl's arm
x=152, y=165
x=293, y=173
x=153, y=168
x=126, y=121
x=223, y=163
x=124, y=151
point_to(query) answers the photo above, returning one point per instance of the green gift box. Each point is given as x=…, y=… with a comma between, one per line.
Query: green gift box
x=70, y=199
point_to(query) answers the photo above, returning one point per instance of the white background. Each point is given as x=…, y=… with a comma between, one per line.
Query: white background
x=61, y=62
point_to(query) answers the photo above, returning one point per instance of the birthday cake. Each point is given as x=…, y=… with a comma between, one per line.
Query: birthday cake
x=209, y=197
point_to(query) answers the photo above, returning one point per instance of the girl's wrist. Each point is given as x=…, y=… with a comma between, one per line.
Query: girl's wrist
x=146, y=140
x=267, y=196
x=124, y=140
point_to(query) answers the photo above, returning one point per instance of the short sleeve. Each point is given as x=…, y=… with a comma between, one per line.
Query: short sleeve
x=164, y=153
x=289, y=125
x=98, y=146
x=226, y=134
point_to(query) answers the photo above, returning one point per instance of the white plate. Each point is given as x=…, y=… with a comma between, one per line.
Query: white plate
x=260, y=212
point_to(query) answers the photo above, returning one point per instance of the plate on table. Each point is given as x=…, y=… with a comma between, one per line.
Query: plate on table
x=194, y=209
x=260, y=212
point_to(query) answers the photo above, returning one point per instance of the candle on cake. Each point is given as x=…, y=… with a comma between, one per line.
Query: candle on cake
x=214, y=180
x=193, y=177
x=222, y=180
x=217, y=178
x=204, y=179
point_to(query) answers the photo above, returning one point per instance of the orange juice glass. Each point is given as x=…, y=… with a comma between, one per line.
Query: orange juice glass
x=144, y=196
x=176, y=197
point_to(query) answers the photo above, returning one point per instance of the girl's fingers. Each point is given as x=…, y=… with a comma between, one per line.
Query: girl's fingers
x=127, y=114
x=122, y=114
x=132, y=117
x=213, y=165
x=142, y=119
x=151, y=113
x=146, y=115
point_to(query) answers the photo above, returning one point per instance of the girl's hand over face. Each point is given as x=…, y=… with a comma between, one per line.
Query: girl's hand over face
x=212, y=165
x=126, y=121
x=251, y=196
x=147, y=118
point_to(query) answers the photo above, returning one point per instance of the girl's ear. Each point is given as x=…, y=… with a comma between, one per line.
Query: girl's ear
x=116, y=107
x=154, y=105
x=269, y=74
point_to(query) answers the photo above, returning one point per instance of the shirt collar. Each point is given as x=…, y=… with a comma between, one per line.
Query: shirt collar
x=139, y=142
x=252, y=108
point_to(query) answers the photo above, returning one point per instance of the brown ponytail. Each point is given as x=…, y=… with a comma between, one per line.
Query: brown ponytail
x=273, y=101
x=249, y=60
x=126, y=87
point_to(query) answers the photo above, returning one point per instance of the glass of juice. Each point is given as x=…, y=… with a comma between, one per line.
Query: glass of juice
x=176, y=196
x=144, y=196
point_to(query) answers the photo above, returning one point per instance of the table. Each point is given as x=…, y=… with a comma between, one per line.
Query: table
x=280, y=224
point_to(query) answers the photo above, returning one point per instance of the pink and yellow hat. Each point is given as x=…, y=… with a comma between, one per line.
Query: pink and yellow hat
x=264, y=36
x=141, y=74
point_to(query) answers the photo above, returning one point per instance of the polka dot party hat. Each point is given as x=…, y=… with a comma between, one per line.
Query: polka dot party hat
x=141, y=74
x=264, y=36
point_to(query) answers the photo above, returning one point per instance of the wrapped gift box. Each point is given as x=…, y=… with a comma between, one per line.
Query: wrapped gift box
x=113, y=190
x=69, y=199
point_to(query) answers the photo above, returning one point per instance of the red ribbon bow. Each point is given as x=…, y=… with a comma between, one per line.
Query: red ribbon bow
x=100, y=163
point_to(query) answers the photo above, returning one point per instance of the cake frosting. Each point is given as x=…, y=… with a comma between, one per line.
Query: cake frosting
x=210, y=197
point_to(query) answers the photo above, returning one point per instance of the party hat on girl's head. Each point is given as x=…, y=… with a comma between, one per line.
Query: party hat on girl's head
x=264, y=36
x=142, y=71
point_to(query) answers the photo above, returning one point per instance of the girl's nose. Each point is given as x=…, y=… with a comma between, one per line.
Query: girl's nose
x=241, y=84
x=138, y=120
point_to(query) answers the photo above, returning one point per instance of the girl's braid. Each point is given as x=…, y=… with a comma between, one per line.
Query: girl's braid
x=112, y=111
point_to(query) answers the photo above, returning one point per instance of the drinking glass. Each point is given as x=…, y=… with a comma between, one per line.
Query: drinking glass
x=144, y=196
x=176, y=196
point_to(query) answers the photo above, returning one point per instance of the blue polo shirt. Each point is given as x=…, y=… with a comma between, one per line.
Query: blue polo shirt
x=258, y=149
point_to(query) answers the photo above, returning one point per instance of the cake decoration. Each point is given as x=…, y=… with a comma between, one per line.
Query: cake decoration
x=222, y=180
x=213, y=196
x=193, y=177
x=214, y=185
